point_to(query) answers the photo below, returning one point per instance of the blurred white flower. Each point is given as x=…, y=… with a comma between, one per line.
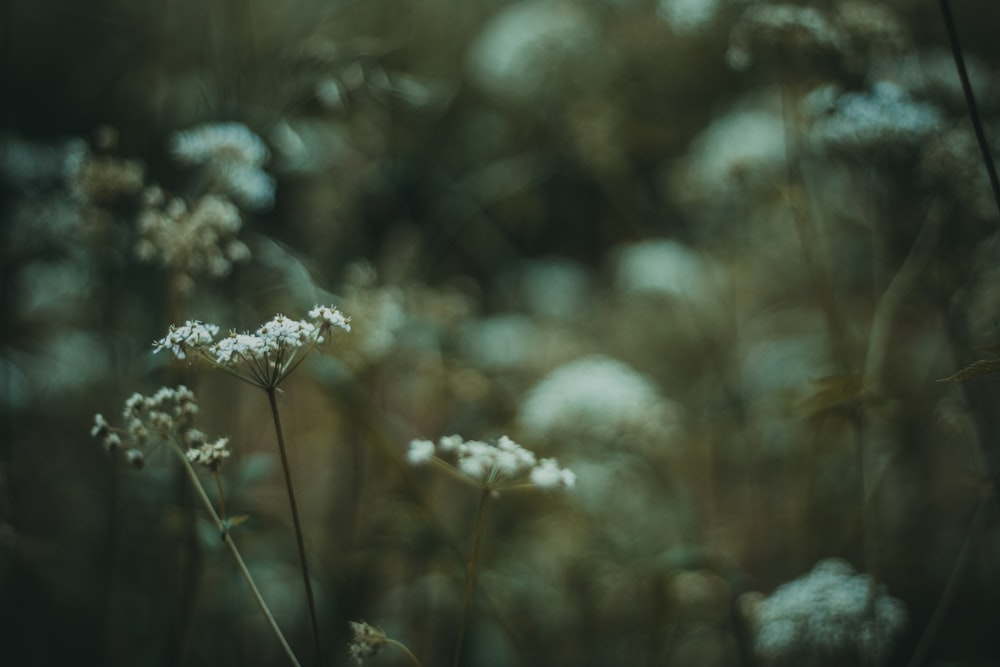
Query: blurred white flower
x=495, y=466
x=518, y=56
x=830, y=611
x=664, y=267
x=687, y=17
x=596, y=397
x=884, y=118
x=234, y=156
x=222, y=142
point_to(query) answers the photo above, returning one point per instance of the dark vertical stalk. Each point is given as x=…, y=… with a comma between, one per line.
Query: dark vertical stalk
x=470, y=574
x=272, y=397
x=970, y=100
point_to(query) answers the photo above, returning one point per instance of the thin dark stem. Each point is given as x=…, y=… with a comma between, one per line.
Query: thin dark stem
x=272, y=397
x=470, y=573
x=970, y=100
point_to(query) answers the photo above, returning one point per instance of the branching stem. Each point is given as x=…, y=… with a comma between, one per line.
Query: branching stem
x=236, y=554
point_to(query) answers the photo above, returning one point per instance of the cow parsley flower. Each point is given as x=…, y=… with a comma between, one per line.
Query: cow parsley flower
x=264, y=357
x=498, y=466
x=167, y=415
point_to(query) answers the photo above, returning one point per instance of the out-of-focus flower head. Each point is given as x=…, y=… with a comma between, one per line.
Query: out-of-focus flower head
x=234, y=156
x=498, y=466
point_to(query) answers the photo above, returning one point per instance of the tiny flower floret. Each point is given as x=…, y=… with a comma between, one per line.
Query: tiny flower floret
x=503, y=464
x=329, y=316
x=191, y=334
x=211, y=455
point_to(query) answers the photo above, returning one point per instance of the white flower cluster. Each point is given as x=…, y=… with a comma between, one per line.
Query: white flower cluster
x=884, y=118
x=234, y=156
x=831, y=612
x=192, y=241
x=166, y=415
x=210, y=454
x=496, y=465
x=266, y=355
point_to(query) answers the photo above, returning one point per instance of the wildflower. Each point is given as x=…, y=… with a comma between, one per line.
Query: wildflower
x=264, y=357
x=831, y=612
x=168, y=415
x=502, y=465
x=192, y=333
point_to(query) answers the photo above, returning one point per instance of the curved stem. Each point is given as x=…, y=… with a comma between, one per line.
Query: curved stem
x=470, y=573
x=273, y=399
x=236, y=555
x=408, y=652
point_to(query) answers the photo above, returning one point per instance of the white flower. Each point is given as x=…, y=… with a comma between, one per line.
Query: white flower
x=596, y=398
x=227, y=142
x=239, y=347
x=421, y=451
x=499, y=465
x=211, y=455
x=829, y=610
x=191, y=334
x=548, y=474
x=101, y=426
x=331, y=317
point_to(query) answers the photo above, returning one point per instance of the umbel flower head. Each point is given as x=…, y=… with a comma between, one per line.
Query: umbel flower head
x=264, y=357
x=499, y=466
x=167, y=415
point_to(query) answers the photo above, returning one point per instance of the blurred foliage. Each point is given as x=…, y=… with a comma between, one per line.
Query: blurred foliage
x=713, y=255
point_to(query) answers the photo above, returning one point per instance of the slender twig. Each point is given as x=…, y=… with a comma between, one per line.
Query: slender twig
x=970, y=100
x=272, y=397
x=470, y=572
x=236, y=555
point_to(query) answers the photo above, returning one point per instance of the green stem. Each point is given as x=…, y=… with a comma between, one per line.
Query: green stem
x=470, y=573
x=408, y=652
x=236, y=555
x=272, y=397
